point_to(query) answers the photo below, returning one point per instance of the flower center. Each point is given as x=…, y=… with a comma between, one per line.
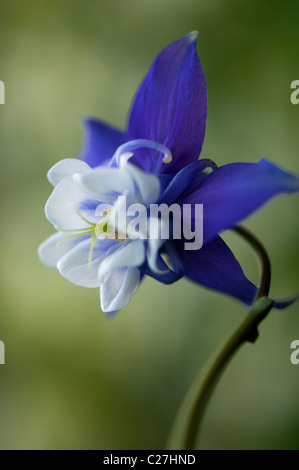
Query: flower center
x=105, y=227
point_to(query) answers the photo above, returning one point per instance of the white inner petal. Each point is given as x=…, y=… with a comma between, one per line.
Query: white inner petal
x=118, y=288
x=75, y=265
x=52, y=250
x=148, y=185
x=130, y=253
x=102, y=182
x=61, y=207
x=66, y=167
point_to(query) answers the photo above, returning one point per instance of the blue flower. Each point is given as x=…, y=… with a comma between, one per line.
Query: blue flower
x=155, y=161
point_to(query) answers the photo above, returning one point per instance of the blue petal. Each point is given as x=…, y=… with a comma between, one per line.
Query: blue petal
x=171, y=106
x=184, y=178
x=214, y=266
x=101, y=141
x=284, y=303
x=165, y=274
x=234, y=191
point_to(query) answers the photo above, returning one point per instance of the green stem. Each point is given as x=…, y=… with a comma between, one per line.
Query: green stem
x=185, y=430
x=263, y=261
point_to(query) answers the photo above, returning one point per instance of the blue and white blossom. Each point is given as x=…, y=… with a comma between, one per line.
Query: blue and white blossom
x=154, y=161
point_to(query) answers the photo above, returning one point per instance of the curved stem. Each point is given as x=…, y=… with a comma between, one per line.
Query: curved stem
x=263, y=260
x=186, y=426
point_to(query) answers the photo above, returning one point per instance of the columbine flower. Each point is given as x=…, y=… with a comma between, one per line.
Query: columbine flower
x=154, y=161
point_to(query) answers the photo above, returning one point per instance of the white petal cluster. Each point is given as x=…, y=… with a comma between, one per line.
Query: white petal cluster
x=80, y=254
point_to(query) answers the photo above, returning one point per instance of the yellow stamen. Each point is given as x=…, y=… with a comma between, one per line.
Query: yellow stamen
x=103, y=228
x=73, y=236
x=82, y=216
x=92, y=244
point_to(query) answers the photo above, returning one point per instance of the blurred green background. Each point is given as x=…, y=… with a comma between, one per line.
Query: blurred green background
x=74, y=379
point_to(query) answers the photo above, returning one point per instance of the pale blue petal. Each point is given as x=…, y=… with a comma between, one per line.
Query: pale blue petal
x=102, y=182
x=130, y=253
x=118, y=289
x=52, y=249
x=74, y=266
x=62, y=205
x=66, y=167
x=148, y=185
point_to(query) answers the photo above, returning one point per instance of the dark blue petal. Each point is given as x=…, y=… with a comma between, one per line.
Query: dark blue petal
x=214, y=266
x=234, y=191
x=284, y=303
x=171, y=106
x=101, y=141
x=172, y=275
x=183, y=179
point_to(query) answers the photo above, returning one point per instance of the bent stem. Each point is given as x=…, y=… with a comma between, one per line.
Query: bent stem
x=263, y=261
x=185, y=430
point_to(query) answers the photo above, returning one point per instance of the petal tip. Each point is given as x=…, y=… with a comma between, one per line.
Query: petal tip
x=89, y=124
x=87, y=120
x=291, y=178
x=284, y=303
x=192, y=37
